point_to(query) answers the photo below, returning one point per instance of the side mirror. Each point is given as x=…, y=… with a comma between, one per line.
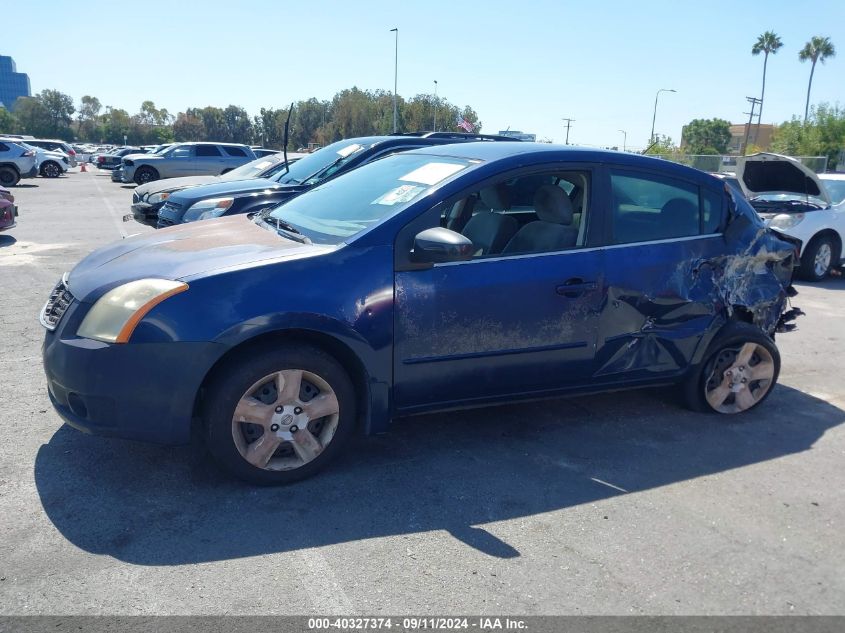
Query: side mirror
x=438, y=245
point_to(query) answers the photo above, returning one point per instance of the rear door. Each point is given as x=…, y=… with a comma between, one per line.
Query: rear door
x=209, y=160
x=664, y=235
x=234, y=156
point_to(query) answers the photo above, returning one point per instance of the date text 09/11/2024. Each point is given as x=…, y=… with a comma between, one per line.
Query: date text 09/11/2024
x=416, y=623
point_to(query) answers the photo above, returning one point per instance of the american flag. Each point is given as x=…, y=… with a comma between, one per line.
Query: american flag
x=462, y=123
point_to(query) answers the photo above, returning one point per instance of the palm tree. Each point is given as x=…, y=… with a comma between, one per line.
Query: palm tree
x=768, y=42
x=817, y=49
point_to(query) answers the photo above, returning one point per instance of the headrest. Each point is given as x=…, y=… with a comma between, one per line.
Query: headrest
x=678, y=206
x=553, y=205
x=496, y=198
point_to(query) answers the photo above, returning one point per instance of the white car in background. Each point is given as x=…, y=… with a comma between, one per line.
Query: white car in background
x=793, y=200
x=51, y=164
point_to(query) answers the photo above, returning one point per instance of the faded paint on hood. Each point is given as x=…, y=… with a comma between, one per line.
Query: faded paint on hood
x=181, y=252
x=766, y=173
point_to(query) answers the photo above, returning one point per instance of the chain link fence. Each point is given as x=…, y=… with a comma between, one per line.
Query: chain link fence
x=723, y=163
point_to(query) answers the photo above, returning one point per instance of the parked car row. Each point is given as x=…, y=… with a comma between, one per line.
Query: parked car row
x=8, y=210
x=410, y=274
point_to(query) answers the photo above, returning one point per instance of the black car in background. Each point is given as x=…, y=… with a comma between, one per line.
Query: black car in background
x=112, y=161
x=245, y=196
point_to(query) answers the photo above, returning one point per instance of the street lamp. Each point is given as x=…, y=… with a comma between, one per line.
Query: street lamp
x=435, y=105
x=395, y=80
x=624, y=140
x=654, y=116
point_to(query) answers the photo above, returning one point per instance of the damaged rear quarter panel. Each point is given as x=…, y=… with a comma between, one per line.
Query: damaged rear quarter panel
x=666, y=301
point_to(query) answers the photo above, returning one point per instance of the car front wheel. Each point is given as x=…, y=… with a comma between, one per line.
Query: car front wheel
x=821, y=254
x=279, y=415
x=50, y=169
x=738, y=372
x=145, y=175
x=8, y=177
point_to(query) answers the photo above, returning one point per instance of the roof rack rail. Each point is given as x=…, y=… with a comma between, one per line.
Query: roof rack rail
x=458, y=135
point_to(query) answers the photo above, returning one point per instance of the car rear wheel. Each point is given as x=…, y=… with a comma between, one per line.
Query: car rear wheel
x=279, y=415
x=821, y=254
x=9, y=177
x=50, y=169
x=145, y=175
x=739, y=371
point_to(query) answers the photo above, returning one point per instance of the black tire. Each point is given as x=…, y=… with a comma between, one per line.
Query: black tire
x=823, y=248
x=232, y=381
x=9, y=176
x=50, y=169
x=145, y=174
x=720, y=356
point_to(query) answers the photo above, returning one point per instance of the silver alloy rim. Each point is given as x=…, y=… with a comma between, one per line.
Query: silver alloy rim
x=823, y=257
x=51, y=170
x=285, y=420
x=740, y=379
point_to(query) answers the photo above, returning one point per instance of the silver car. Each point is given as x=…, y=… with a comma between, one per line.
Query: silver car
x=185, y=159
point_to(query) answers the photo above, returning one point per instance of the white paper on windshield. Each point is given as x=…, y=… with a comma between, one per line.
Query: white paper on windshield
x=263, y=164
x=432, y=173
x=399, y=195
x=349, y=149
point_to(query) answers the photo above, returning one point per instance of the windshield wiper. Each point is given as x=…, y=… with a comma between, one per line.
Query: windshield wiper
x=288, y=230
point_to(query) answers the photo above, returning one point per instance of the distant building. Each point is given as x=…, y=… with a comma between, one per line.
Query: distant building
x=12, y=83
x=517, y=134
x=763, y=139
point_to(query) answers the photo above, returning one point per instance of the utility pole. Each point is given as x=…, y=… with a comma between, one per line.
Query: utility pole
x=654, y=116
x=754, y=101
x=568, y=124
x=435, y=106
x=624, y=140
x=395, y=80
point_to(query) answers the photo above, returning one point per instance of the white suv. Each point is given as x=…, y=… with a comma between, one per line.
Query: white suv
x=16, y=162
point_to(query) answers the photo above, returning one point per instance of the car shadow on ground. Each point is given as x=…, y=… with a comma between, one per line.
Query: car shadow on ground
x=24, y=186
x=7, y=240
x=153, y=505
x=836, y=281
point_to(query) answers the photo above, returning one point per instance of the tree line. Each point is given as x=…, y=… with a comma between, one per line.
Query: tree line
x=351, y=112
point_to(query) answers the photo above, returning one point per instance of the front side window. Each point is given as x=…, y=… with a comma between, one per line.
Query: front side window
x=648, y=207
x=180, y=152
x=535, y=213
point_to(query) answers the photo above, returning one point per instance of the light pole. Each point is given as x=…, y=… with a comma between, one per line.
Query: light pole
x=624, y=140
x=395, y=80
x=654, y=116
x=435, y=105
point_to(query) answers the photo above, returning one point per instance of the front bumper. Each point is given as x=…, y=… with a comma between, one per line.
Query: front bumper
x=143, y=391
x=146, y=213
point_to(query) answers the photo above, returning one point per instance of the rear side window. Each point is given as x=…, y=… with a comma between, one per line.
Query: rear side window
x=648, y=207
x=4, y=147
x=234, y=151
x=207, y=150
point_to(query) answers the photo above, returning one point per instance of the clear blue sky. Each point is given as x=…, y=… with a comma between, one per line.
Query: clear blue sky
x=522, y=65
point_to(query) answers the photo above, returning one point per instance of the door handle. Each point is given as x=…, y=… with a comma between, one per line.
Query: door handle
x=575, y=287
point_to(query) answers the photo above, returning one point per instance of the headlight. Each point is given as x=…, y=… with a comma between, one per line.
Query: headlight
x=116, y=314
x=158, y=197
x=784, y=221
x=211, y=208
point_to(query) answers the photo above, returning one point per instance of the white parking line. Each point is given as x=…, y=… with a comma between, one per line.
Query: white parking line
x=322, y=586
x=115, y=216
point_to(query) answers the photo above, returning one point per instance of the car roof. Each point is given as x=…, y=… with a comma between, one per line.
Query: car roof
x=546, y=152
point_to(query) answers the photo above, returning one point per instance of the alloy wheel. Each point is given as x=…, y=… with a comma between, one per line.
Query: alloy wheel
x=740, y=378
x=821, y=263
x=285, y=420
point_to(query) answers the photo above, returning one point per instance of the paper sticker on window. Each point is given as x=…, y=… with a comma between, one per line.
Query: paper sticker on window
x=399, y=195
x=263, y=164
x=432, y=173
x=349, y=149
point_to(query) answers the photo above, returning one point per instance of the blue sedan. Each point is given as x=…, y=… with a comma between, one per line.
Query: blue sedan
x=438, y=278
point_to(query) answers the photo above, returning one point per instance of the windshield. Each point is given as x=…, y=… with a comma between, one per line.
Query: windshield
x=321, y=164
x=253, y=169
x=336, y=210
x=835, y=189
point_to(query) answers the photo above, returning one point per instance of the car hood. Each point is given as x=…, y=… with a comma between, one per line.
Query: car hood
x=766, y=173
x=182, y=252
x=225, y=188
x=172, y=184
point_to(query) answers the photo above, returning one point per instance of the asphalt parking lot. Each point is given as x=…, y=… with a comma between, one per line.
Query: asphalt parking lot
x=615, y=504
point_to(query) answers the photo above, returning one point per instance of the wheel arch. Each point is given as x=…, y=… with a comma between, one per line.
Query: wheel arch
x=826, y=232
x=332, y=345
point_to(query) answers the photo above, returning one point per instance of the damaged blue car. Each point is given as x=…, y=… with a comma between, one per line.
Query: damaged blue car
x=438, y=278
